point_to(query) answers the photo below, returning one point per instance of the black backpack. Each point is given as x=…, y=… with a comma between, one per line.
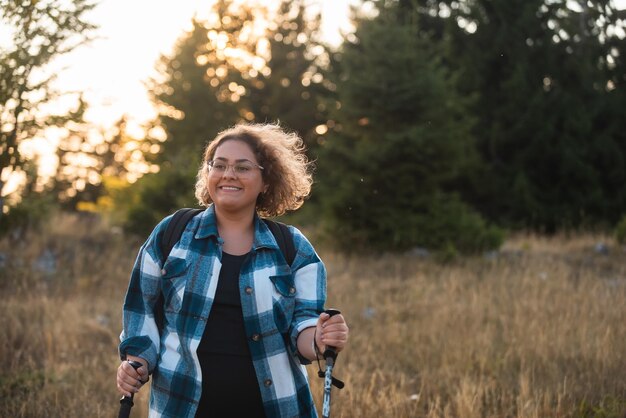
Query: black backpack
x=174, y=231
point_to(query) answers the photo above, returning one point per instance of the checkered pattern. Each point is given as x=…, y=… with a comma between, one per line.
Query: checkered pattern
x=278, y=301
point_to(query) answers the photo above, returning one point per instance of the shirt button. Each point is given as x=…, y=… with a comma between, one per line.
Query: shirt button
x=267, y=382
x=248, y=290
x=256, y=337
x=292, y=290
x=163, y=272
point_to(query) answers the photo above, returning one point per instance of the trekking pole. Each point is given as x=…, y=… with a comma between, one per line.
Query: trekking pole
x=330, y=355
x=127, y=401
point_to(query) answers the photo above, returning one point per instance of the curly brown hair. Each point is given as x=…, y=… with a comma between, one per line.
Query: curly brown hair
x=286, y=170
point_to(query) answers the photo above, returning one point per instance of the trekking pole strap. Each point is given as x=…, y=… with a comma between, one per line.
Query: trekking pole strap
x=336, y=382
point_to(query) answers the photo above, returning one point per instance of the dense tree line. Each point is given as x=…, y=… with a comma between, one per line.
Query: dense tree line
x=400, y=144
x=525, y=95
x=436, y=124
x=223, y=72
x=549, y=82
x=34, y=33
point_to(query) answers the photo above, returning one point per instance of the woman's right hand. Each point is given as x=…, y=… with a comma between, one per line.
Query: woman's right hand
x=129, y=380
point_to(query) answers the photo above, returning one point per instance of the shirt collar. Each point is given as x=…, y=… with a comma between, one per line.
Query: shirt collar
x=208, y=224
x=263, y=237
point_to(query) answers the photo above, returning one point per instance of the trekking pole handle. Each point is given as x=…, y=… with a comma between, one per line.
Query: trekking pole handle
x=127, y=401
x=330, y=353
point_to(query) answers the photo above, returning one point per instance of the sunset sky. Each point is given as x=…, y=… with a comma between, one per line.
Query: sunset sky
x=111, y=70
x=132, y=34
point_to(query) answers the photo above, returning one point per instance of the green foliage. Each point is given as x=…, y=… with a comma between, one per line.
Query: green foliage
x=620, y=231
x=548, y=78
x=289, y=92
x=402, y=140
x=33, y=209
x=118, y=196
x=450, y=223
x=38, y=32
x=608, y=407
x=438, y=114
x=87, y=162
x=192, y=109
x=202, y=90
x=158, y=195
x=30, y=213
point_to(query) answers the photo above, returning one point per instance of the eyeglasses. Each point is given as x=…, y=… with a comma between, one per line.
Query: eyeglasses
x=240, y=169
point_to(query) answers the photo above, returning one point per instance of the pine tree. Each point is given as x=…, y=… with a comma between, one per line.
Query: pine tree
x=225, y=71
x=546, y=75
x=289, y=90
x=401, y=140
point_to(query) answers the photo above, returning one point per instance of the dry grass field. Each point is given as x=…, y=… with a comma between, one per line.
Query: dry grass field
x=536, y=330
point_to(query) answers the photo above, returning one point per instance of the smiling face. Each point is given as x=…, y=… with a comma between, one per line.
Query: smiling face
x=232, y=192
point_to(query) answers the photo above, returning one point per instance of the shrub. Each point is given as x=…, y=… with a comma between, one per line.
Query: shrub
x=31, y=212
x=158, y=195
x=620, y=231
x=440, y=222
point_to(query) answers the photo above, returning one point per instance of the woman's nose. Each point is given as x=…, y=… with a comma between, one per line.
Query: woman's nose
x=230, y=169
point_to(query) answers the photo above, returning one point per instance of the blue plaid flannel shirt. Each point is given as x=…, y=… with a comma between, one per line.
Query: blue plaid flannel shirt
x=278, y=302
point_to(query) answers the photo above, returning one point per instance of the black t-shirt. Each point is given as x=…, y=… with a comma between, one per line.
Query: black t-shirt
x=229, y=384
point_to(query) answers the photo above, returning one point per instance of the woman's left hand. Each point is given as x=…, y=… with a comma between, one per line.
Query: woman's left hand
x=332, y=331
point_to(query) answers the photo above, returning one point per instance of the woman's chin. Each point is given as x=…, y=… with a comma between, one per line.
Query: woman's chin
x=232, y=205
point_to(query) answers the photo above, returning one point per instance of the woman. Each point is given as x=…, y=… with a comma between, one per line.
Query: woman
x=239, y=321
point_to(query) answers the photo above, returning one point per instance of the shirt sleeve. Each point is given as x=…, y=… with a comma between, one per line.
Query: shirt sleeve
x=140, y=335
x=310, y=282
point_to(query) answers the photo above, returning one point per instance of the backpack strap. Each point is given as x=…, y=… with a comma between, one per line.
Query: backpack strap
x=171, y=236
x=175, y=229
x=284, y=239
x=181, y=218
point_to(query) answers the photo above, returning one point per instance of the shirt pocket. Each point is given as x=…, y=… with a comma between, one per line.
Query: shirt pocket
x=284, y=300
x=173, y=283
